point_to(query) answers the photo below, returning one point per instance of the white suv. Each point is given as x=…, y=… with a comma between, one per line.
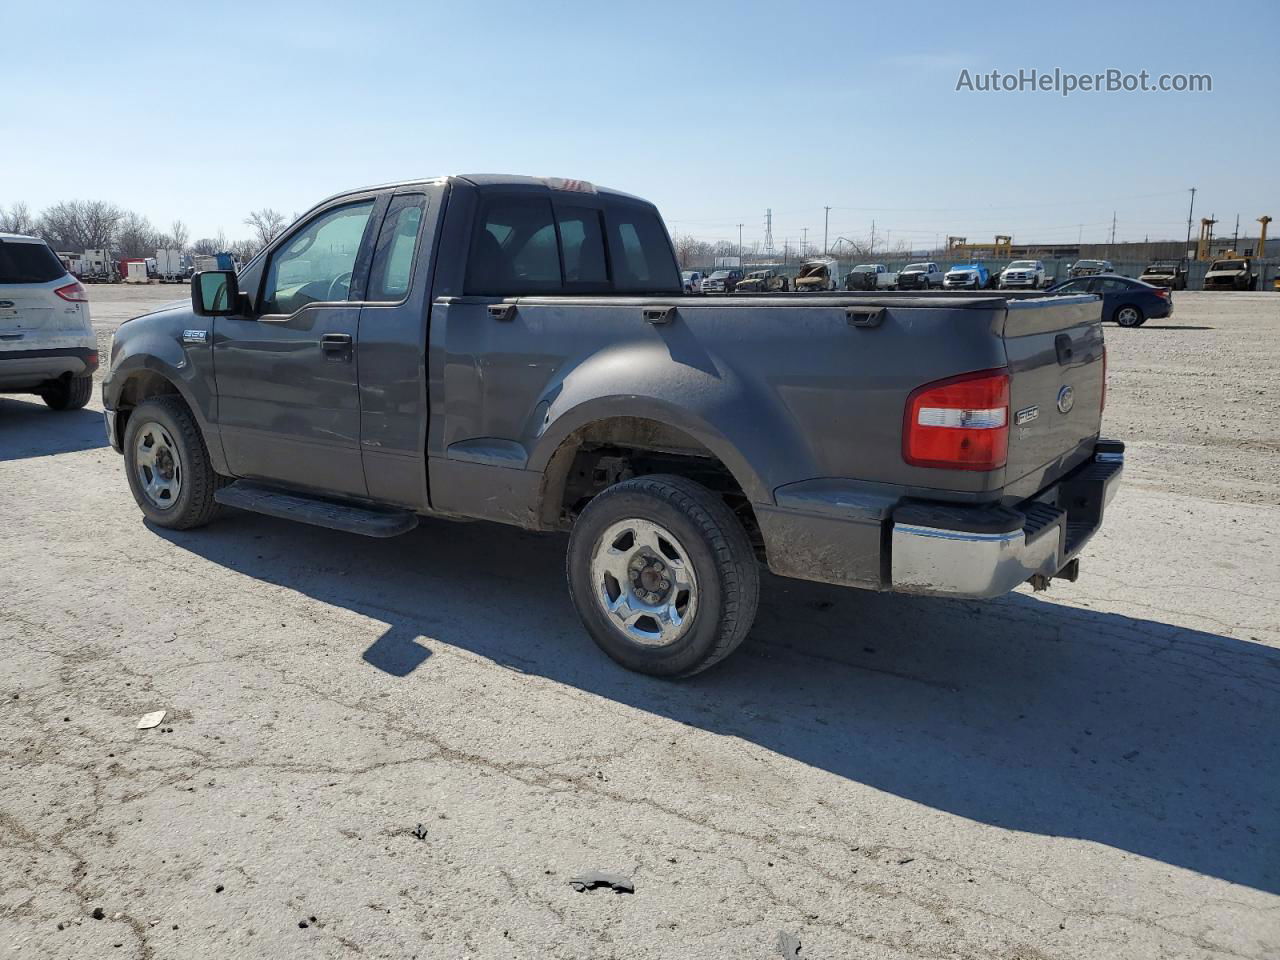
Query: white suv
x=47, y=346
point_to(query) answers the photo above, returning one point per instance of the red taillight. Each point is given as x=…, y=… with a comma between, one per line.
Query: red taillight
x=1161, y=292
x=73, y=292
x=959, y=424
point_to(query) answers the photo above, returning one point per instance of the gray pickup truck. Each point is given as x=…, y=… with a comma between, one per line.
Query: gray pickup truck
x=520, y=350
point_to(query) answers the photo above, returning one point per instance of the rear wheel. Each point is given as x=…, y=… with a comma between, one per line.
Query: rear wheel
x=168, y=466
x=1129, y=316
x=68, y=393
x=663, y=575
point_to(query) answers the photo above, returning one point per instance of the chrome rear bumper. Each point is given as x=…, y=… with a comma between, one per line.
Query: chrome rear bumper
x=987, y=552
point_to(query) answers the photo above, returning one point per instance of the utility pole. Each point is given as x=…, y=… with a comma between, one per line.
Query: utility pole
x=739, y=241
x=873, y=238
x=826, y=222
x=1190, y=211
x=804, y=242
x=768, y=232
x=1235, y=237
x=1113, y=230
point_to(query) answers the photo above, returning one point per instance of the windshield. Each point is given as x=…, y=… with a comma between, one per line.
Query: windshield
x=1161, y=268
x=1227, y=265
x=864, y=268
x=1022, y=265
x=720, y=275
x=918, y=267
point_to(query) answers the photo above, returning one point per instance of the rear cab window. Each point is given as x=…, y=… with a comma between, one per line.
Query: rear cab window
x=24, y=261
x=536, y=242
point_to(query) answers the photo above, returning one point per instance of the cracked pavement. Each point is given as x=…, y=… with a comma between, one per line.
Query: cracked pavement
x=1090, y=772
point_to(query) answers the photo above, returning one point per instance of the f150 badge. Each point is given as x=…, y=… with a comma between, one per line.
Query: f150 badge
x=1066, y=399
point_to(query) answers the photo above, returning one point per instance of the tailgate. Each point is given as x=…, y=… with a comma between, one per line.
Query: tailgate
x=1056, y=367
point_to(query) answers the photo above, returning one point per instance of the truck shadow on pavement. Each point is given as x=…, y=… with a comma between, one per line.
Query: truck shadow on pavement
x=30, y=429
x=1018, y=713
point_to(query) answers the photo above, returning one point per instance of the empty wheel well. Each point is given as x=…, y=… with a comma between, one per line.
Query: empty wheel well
x=610, y=451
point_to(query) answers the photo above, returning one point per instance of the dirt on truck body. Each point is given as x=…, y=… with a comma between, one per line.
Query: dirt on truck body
x=424, y=349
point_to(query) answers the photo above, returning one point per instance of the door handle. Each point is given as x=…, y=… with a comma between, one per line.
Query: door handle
x=337, y=346
x=502, y=311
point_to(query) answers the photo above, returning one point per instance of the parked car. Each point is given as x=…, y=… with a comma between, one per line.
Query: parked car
x=722, y=281
x=1022, y=274
x=692, y=281
x=818, y=275
x=47, y=345
x=1166, y=273
x=1126, y=301
x=678, y=453
x=869, y=276
x=920, y=276
x=1231, y=274
x=970, y=276
x=1089, y=268
x=762, y=281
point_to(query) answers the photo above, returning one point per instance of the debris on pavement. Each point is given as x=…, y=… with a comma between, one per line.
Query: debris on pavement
x=149, y=720
x=420, y=832
x=595, y=878
x=788, y=944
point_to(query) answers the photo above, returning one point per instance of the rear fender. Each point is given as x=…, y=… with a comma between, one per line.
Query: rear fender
x=723, y=412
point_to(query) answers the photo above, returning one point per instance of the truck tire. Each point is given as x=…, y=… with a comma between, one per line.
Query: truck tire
x=663, y=575
x=67, y=393
x=168, y=467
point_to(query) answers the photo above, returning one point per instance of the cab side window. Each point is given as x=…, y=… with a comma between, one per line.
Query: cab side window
x=316, y=263
x=396, y=250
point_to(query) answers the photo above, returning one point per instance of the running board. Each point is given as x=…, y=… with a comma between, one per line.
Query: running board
x=347, y=517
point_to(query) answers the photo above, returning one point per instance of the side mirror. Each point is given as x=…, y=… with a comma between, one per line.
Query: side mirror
x=215, y=293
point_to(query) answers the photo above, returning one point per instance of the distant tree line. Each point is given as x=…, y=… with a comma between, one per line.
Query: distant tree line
x=693, y=253
x=78, y=225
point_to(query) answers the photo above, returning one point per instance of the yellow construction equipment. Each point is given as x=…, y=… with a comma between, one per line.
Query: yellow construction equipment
x=960, y=247
x=1206, y=238
x=1262, y=237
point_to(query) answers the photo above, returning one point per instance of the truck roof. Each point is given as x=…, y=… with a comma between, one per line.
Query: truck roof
x=498, y=180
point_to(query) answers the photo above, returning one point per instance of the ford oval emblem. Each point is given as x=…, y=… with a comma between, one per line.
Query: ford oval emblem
x=1066, y=399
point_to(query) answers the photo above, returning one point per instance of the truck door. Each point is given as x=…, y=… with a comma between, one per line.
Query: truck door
x=393, y=349
x=288, y=400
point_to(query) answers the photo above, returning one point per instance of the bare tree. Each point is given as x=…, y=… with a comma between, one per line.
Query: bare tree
x=208, y=246
x=244, y=250
x=81, y=224
x=136, y=237
x=266, y=223
x=17, y=219
x=179, y=235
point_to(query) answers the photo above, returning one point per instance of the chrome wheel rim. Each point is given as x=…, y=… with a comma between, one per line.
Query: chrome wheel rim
x=156, y=465
x=644, y=581
x=1127, y=316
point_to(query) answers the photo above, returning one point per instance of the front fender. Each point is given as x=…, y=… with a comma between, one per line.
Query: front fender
x=734, y=416
x=157, y=344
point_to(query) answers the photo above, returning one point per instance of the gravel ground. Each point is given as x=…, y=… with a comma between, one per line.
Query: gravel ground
x=406, y=748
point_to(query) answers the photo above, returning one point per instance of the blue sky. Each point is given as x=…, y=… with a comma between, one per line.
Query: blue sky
x=713, y=111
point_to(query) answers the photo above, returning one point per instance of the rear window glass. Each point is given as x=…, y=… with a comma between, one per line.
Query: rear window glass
x=527, y=245
x=514, y=248
x=582, y=248
x=28, y=263
x=639, y=251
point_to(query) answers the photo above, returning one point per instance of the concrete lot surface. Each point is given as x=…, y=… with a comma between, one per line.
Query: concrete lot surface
x=406, y=748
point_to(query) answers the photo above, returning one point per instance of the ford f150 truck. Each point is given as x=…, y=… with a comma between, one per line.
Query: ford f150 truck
x=520, y=350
